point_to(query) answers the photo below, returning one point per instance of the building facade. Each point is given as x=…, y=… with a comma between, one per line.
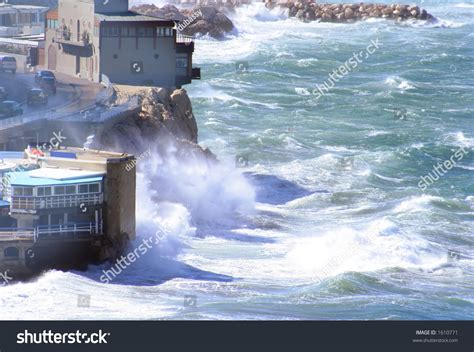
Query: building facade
x=21, y=20
x=104, y=41
x=64, y=208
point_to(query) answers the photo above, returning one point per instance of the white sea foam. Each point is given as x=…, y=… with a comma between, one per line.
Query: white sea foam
x=379, y=246
x=398, y=82
x=416, y=203
x=211, y=192
x=459, y=139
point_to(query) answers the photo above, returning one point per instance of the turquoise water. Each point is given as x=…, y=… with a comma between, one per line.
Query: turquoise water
x=362, y=240
x=323, y=217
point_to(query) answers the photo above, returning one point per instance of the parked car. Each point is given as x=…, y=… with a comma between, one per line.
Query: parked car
x=8, y=63
x=3, y=94
x=42, y=74
x=37, y=96
x=10, y=108
x=48, y=84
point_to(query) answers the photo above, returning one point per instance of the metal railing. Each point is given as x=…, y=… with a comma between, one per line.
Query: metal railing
x=50, y=202
x=64, y=35
x=44, y=232
x=13, y=234
x=181, y=38
x=68, y=228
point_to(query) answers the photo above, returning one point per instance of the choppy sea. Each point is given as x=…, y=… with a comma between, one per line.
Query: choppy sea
x=316, y=211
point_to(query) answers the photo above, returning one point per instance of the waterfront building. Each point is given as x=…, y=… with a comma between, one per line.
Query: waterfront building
x=104, y=41
x=21, y=19
x=64, y=208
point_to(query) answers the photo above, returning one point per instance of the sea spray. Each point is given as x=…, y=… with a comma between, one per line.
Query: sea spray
x=213, y=192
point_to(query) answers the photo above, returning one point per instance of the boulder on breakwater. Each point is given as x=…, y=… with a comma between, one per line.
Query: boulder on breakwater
x=308, y=10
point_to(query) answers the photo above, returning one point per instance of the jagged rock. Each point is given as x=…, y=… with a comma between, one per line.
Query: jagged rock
x=212, y=22
x=164, y=118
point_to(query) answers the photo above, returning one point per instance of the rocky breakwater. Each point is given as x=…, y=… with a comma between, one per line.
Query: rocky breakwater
x=204, y=20
x=311, y=11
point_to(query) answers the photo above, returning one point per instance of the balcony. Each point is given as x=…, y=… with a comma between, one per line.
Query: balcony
x=64, y=36
x=30, y=205
x=38, y=233
x=196, y=73
x=181, y=38
x=68, y=230
x=16, y=234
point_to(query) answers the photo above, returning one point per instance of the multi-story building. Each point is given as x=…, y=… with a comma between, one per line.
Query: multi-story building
x=21, y=19
x=64, y=208
x=102, y=40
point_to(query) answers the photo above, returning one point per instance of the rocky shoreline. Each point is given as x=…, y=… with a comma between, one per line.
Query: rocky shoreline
x=209, y=20
x=308, y=10
x=165, y=119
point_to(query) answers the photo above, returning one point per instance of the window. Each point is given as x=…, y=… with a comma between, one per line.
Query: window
x=11, y=252
x=149, y=32
x=17, y=191
x=181, y=62
x=124, y=31
x=141, y=31
x=28, y=191
x=23, y=191
x=43, y=191
x=131, y=32
x=89, y=188
x=70, y=189
x=59, y=190
x=110, y=31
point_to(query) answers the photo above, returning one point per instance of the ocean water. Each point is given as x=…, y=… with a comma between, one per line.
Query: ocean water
x=316, y=210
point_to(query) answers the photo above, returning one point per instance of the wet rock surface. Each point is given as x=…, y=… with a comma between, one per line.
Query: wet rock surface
x=165, y=118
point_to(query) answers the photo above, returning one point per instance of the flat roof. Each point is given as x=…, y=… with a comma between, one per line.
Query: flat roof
x=26, y=179
x=63, y=174
x=130, y=17
x=83, y=154
x=4, y=6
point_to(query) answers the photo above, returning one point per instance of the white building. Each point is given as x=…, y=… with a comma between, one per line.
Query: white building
x=21, y=19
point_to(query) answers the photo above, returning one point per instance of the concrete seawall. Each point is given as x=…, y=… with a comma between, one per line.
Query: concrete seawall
x=308, y=10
